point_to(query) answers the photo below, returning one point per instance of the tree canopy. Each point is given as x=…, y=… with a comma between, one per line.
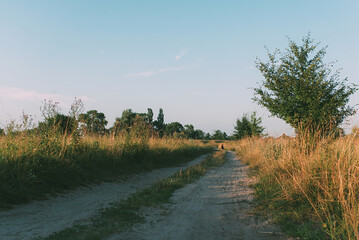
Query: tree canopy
x=248, y=126
x=94, y=121
x=300, y=88
x=219, y=135
x=174, y=127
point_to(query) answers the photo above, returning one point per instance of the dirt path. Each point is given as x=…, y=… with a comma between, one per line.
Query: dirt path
x=42, y=218
x=215, y=207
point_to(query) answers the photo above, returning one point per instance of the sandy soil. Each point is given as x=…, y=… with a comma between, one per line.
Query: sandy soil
x=42, y=218
x=215, y=207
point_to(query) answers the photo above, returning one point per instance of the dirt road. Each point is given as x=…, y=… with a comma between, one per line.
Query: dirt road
x=42, y=218
x=215, y=207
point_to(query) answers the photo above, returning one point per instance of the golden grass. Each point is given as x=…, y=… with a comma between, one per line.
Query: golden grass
x=325, y=179
x=35, y=163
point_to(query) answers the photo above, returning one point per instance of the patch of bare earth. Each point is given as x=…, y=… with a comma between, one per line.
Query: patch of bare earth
x=218, y=206
x=41, y=218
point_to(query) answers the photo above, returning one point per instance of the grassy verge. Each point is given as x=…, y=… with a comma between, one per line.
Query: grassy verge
x=34, y=165
x=126, y=213
x=313, y=195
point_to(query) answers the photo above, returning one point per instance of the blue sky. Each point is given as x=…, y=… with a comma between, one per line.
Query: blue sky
x=195, y=59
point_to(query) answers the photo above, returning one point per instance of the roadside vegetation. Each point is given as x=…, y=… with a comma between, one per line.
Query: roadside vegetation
x=312, y=195
x=124, y=214
x=60, y=153
x=34, y=165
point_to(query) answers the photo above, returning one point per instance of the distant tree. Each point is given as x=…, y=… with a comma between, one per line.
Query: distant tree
x=174, y=127
x=2, y=132
x=242, y=128
x=248, y=126
x=199, y=134
x=60, y=122
x=159, y=124
x=140, y=121
x=125, y=122
x=300, y=89
x=219, y=135
x=207, y=136
x=149, y=115
x=94, y=121
x=189, y=131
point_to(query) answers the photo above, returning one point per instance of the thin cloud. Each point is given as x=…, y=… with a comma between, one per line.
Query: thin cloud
x=29, y=95
x=155, y=72
x=182, y=53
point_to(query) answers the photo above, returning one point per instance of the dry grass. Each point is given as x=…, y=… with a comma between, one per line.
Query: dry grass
x=36, y=163
x=321, y=185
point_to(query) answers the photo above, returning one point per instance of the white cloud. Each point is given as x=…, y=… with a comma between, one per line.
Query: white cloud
x=154, y=72
x=181, y=54
x=162, y=70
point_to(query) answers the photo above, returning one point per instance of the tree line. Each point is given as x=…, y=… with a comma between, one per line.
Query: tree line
x=94, y=122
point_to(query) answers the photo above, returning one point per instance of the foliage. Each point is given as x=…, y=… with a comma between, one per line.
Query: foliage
x=149, y=115
x=125, y=122
x=301, y=89
x=159, y=124
x=248, y=126
x=130, y=119
x=219, y=135
x=94, y=122
x=174, y=127
x=192, y=133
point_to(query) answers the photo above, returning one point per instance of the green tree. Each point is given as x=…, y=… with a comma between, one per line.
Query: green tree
x=207, y=136
x=189, y=131
x=94, y=121
x=159, y=124
x=2, y=132
x=199, y=134
x=125, y=122
x=174, y=127
x=300, y=88
x=248, y=126
x=130, y=120
x=219, y=135
x=149, y=115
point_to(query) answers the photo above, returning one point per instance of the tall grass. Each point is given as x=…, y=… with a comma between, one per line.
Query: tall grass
x=36, y=163
x=319, y=186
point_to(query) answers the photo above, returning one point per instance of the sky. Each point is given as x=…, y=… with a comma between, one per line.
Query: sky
x=194, y=59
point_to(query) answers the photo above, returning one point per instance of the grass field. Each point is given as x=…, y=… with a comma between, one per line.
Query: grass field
x=36, y=164
x=313, y=194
